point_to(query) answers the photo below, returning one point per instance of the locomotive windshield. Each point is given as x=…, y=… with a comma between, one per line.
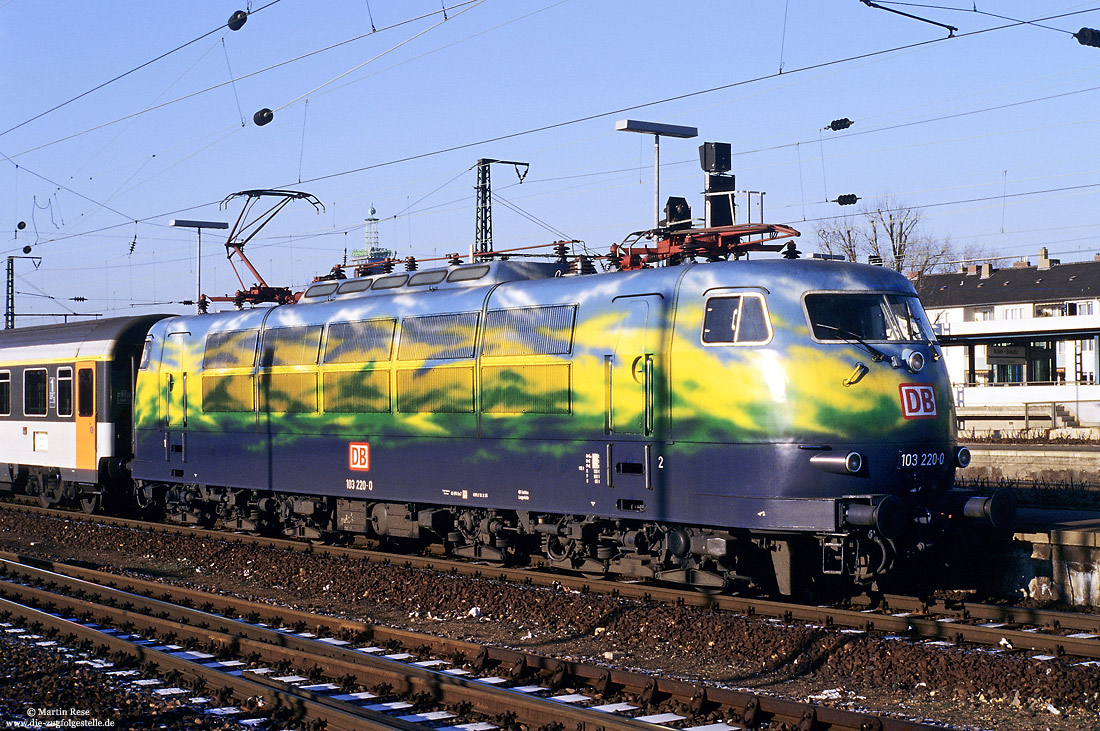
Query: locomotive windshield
x=868, y=316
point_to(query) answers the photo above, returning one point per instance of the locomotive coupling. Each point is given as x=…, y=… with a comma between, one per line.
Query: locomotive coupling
x=888, y=516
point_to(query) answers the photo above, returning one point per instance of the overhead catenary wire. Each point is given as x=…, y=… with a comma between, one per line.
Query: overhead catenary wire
x=215, y=87
x=530, y=217
x=973, y=9
x=391, y=49
x=126, y=73
x=586, y=118
x=233, y=84
x=685, y=95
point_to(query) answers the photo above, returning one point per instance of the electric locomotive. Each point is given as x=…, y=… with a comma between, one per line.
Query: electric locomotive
x=765, y=421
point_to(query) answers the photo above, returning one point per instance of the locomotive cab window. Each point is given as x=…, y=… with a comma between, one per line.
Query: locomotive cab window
x=64, y=391
x=844, y=316
x=738, y=319
x=5, y=393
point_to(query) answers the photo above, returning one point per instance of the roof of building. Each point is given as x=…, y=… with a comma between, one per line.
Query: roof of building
x=985, y=285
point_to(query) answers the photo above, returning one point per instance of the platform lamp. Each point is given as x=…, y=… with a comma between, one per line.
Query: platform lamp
x=658, y=130
x=198, y=226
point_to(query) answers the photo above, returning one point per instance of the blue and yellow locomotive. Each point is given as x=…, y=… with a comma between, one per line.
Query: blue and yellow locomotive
x=767, y=421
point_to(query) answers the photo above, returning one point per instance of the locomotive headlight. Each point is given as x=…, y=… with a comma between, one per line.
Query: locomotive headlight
x=853, y=462
x=962, y=457
x=914, y=359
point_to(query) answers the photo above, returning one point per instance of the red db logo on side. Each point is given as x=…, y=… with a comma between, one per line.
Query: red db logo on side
x=918, y=401
x=359, y=456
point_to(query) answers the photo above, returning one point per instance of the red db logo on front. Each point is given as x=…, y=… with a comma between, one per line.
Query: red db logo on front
x=917, y=401
x=359, y=456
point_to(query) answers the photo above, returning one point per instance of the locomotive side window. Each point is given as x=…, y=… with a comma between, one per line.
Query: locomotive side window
x=320, y=290
x=5, y=393
x=546, y=330
x=34, y=392
x=869, y=316
x=438, y=336
x=229, y=392
x=465, y=274
x=231, y=349
x=390, y=282
x=64, y=391
x=357, y=392
x=432, y=276
x=354, y=285
x=288, y=346
x=740, y=319
x=362, y=341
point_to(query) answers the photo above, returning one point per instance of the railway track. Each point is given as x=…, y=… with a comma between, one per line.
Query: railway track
x=353, y=675
x=1045, y=633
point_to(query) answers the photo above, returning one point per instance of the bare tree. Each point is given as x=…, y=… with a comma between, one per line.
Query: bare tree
x=844, y=236
x=890, y=230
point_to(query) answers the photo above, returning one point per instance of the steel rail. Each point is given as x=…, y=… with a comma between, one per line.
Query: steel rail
x=903, y=623
x=273, y=645
x=241, y=686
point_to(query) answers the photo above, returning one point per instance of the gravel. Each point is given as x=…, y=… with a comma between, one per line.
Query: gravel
x=970, y=687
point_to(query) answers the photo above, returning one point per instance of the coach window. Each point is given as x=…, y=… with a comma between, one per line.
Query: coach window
x=64, y=391
x=34, y=392
x=5, y=393
x=740, y=319
x=85, y=392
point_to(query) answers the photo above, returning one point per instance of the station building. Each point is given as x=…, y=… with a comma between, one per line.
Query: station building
x=1021, y=343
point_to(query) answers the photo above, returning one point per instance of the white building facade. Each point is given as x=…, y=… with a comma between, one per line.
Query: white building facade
x=1019, y=336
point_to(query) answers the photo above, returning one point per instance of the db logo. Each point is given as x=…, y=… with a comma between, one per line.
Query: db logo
x=917, y=401
x=359, y=456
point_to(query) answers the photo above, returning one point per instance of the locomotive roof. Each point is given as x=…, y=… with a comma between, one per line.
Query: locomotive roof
x=452, y=277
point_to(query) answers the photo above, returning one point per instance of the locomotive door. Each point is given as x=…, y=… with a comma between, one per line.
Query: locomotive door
x=85, y=416
x=175, y=382
x=175, y=396
x=630, y=368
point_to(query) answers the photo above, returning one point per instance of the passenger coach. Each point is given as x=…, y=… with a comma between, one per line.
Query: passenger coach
x=66, y=407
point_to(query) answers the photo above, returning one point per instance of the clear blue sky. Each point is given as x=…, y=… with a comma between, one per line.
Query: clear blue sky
x=993, y=134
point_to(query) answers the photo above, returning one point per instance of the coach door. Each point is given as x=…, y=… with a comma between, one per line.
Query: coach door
x=86, y=409
x=630, y=369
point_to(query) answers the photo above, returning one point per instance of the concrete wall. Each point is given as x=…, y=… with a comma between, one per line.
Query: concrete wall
x=1061, y=566
x=1025, y=463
